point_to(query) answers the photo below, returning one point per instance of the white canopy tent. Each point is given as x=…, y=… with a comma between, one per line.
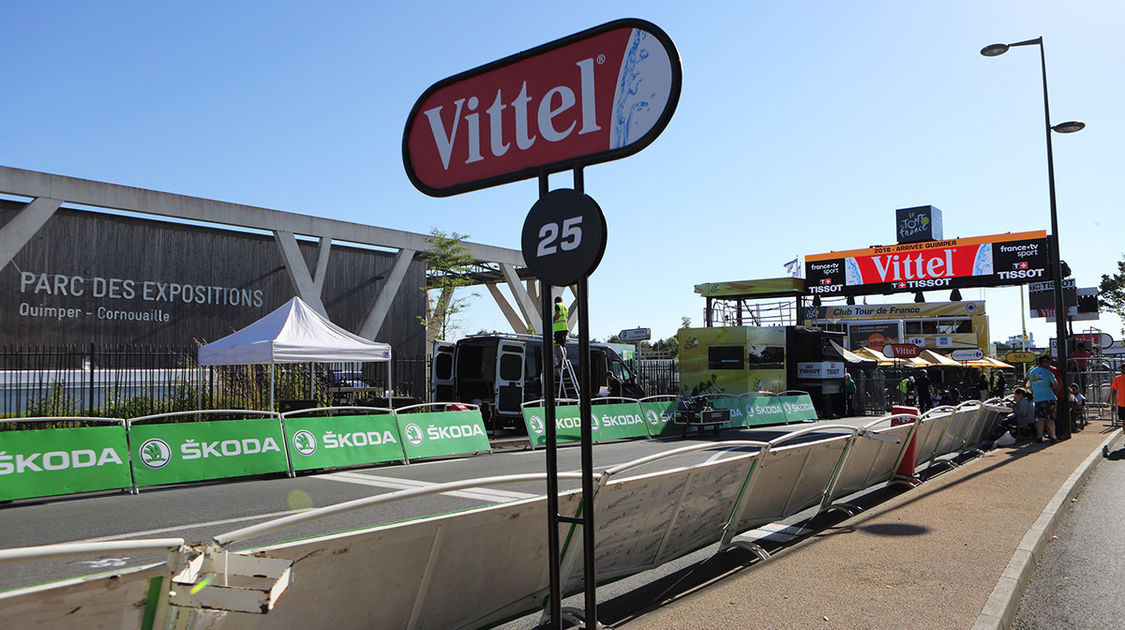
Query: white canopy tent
x=293, y=333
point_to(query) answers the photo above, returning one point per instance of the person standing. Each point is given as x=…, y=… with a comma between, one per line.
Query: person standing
x=904, y=390
x=982, y=385
x=560, y=328
x=1043, y=383
x=997, y=383
x=849, y=395
x=922, y=386
x=1118, y=385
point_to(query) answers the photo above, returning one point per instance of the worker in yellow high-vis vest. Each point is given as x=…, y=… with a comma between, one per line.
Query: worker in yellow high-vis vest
x=559, y=326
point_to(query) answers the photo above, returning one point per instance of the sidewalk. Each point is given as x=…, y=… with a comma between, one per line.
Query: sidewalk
x=929, y=558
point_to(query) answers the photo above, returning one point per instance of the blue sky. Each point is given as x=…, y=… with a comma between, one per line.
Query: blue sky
x=800, y=128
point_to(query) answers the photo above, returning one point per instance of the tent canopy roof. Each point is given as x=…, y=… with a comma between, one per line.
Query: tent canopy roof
x=293, y=333
x=850, y=356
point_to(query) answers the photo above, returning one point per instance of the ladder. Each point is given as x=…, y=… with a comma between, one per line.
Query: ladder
x=564, y=374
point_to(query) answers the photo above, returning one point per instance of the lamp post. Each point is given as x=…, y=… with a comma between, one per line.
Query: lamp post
x=1062, y=418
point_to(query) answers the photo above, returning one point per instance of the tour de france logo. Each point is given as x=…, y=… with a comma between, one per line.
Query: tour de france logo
x=536, y=425
x=414, y=434
x=304, y=442
x=155, y=453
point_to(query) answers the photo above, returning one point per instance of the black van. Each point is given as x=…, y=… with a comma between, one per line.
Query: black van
x=500, y=371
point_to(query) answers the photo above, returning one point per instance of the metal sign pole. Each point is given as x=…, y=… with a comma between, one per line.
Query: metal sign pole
x=548, y=362
x=587, y=438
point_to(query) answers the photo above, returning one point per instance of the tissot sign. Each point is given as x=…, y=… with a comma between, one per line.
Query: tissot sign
x=983, y=261
x=595, y=96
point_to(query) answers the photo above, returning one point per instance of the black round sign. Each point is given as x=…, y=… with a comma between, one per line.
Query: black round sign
x=563, y=237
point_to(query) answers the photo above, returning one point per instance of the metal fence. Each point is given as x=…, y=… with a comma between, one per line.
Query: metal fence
x=657, y=376
x=131, y=381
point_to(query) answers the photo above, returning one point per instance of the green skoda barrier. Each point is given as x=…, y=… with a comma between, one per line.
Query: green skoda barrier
x=761, y=410
x=737, y=411
x=334, y=441
x=439, y=433
x=194, y=451
x=49, y=462
x=798, y=407
x=658, y=414
x=610, y=422
x=618, y=421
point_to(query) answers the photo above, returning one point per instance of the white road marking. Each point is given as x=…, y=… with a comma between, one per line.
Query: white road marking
x=491, y=495
x=173, y=528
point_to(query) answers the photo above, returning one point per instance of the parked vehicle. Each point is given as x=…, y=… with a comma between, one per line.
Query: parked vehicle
x=501, y=371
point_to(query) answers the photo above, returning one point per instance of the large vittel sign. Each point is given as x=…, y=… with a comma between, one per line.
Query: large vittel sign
x=983, y=261
x=597, y=95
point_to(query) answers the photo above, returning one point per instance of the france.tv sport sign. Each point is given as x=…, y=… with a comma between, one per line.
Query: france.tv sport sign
x=598, y=95
x=983, y=261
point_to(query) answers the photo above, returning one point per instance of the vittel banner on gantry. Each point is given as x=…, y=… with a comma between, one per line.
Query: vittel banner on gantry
x=983, y=261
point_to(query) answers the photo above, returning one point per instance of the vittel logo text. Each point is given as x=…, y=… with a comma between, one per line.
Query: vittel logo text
x=551, y=119
x=595, y=96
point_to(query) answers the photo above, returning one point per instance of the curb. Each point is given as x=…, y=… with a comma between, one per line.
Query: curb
x=1002, y=605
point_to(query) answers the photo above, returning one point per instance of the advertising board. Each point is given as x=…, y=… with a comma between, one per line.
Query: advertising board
x=984, y=261
x=921, y=223
x=48, y=462
x=659, y=415
x=598, y=95
x=443, y=433
x=194, y=451
x=901, y=350
x=875, y=335
x=609, y=422
x=316, y=442
x=967, y=354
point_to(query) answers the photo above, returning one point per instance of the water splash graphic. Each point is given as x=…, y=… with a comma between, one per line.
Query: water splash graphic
x=644, y=84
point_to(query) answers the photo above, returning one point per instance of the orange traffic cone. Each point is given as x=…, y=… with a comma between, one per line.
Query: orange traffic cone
x=905, y=477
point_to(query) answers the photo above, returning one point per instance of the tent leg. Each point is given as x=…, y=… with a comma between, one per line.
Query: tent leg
x=272, y=408
x=390, y=382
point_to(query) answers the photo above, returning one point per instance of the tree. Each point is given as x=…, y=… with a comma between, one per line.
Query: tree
x=1111, y=292
x=448, y=267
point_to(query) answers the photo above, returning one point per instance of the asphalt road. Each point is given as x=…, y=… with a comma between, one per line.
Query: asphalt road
x=196, y=512
x=1077, y=583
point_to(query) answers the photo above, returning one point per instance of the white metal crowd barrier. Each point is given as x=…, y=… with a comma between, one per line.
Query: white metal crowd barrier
x=480, y=567
x=122, y=598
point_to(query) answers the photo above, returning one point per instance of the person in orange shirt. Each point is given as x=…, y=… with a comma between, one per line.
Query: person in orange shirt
x=1118, y=385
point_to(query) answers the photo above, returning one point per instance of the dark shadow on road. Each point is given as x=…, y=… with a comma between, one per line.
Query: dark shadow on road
x=895, y=529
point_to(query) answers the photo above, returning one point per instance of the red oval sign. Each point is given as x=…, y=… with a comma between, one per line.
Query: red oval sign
x=901, y=350
x=598, y=95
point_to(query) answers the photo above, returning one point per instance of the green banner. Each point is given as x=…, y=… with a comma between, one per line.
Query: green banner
x=48, y=462
x=618, y=421
x=798, y=408
x=659, y=416
x=610, y=422
x=193, y=451
x=737, y=411
x=443, y=433
x=761, y=410
x=329, y=442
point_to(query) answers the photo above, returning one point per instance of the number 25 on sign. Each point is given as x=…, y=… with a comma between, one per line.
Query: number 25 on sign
x=549, y=234
x=563, y=237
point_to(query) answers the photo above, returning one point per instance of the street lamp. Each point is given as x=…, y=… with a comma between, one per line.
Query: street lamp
x=1062, y=418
